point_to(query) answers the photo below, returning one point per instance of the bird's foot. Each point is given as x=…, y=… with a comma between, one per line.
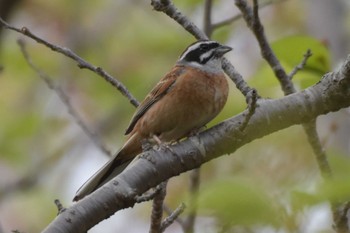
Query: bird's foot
x=162, y=145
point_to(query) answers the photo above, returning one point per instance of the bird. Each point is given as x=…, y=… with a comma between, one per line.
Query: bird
x=190, y=95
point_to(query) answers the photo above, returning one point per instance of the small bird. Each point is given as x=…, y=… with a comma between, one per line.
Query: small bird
x=183, y=101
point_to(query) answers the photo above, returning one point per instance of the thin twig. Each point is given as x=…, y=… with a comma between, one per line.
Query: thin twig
x=157, y=209
x=81, y=62
x=252, y=99
x=169, y=212
x=226, y=21
x=236, y=77
x=208, y=28
x=59, y=206
x=239, y=16
x=65, y=99
x=321, y=156
x=172, y=217
x=16, y=231
x=301, y=65
x=149, y=195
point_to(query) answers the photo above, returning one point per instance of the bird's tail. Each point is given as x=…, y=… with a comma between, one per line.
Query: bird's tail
x=112, y=168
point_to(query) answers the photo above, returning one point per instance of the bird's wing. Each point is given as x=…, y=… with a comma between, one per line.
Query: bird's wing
x=161, y=89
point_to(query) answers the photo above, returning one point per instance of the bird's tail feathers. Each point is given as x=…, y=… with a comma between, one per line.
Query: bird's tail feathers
x=112, y=168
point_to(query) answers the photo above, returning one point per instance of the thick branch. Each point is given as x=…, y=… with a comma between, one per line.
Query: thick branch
x=331, y=94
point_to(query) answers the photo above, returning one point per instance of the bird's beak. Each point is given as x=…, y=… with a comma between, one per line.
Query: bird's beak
x=220, y=51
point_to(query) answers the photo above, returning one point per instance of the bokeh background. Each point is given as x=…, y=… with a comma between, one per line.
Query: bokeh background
x=45, y=155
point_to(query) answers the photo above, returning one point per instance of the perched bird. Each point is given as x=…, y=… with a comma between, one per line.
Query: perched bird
x=184, y=100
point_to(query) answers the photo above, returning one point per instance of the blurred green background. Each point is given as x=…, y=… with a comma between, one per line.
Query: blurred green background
x=272, y=184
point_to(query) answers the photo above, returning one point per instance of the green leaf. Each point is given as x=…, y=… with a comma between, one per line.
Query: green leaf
x=300, y=200
x=238, y=202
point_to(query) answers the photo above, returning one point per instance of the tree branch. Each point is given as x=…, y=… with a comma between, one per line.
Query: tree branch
x=65, y=100
x=169, y=9
x=81, y=62
x=172, y=217
x=237, y=17
x=331, y=94
x=208, y=29
x=301, y=65
x=251, y=16
x=157, y=209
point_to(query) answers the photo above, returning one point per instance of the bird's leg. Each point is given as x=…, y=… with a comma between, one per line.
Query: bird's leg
x=157, y=139
x=162, y=145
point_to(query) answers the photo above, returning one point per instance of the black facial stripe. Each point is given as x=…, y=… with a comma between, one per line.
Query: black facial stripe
x=194, y=53
x=205, y=60
x=206, y=57
x=207, y=47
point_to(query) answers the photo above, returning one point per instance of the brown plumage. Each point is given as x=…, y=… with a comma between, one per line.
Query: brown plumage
x=184, y=100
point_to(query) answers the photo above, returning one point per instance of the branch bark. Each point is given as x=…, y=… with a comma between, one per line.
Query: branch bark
x=153, y=167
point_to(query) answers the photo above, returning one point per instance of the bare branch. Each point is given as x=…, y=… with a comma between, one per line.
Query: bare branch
x=301, y=65
x=157, y=209
x=239, y=16
x=169, y=212
x=96, y=139
x=321, y=156
x=208, y=28
x=226, y=21
x=59, y=206
x=252, y=98
x=172, y=217
x=149, y=195
x=252, y=19
x=81, y=62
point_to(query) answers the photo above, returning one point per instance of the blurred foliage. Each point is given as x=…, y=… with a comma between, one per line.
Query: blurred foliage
x=270, y=182
x=238, y=202
x=290, y=51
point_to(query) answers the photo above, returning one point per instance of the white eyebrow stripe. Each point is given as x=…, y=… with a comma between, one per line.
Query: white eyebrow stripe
x=194, y=47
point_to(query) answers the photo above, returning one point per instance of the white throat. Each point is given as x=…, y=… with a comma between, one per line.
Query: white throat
x=212, y=66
